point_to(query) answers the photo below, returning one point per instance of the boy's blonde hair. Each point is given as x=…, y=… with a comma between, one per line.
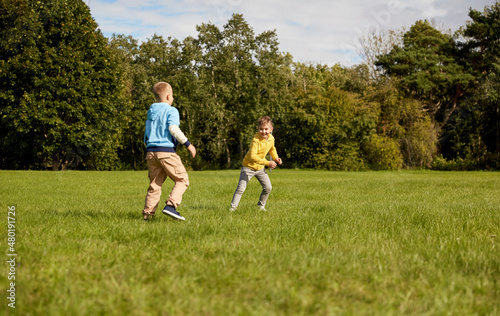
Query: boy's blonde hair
x=265, y=120
x=161, y=90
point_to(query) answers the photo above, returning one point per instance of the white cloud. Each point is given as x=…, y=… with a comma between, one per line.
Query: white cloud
x=312, y=31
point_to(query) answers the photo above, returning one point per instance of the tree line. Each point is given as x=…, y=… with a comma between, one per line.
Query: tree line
x=74, y=99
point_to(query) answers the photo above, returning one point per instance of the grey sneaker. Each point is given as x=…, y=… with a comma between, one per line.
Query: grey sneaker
x=172, y=212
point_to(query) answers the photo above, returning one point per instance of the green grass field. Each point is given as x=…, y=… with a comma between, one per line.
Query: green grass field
x=331, y=243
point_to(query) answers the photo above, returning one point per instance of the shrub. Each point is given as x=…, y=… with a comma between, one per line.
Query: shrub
x=382, y=153
x=488, y=161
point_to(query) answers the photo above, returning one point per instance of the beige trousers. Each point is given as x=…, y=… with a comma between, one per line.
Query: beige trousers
x=162, y=165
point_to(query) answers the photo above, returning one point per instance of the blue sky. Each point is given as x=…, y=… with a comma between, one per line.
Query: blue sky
x=318, y=31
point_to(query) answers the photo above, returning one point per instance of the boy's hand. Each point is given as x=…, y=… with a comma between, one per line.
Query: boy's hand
x=272, y=164
x=279, y=161
x=192, y=150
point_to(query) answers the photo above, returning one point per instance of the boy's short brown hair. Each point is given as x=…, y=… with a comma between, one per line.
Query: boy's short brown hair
x=265, y=120
x=161, y=90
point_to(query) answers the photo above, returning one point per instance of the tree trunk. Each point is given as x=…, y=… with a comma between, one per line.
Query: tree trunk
x=228, y=153
x=242, y=154
x=56, y=162
x=449, y=112
x=498, y=129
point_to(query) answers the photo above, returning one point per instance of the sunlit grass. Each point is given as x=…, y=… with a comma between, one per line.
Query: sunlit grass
x=369, y=243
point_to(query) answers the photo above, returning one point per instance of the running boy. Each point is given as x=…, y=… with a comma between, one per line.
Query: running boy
x=161, y=138
x=255, y=162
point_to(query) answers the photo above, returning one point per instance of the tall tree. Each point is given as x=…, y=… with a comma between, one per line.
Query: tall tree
x=235, y=70
x=402, y=119
x=326, y=123
x=214, y=121
x=482, y=45
x=482, y=54
x=137, y=98
x=59, y=87
x=427, y=68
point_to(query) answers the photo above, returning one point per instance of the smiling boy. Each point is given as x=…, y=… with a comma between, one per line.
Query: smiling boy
x=255, y=162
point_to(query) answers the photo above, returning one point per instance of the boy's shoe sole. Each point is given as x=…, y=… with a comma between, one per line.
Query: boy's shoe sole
x=170, y=211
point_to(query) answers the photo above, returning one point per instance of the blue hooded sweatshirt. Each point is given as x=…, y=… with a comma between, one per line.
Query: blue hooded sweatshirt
x=157, y=137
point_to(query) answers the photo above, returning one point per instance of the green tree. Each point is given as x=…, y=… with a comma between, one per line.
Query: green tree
x=213, y=122
x=471, y=140
x=401, y=119
x=137, y=98
x=326, y=130
x=482, y=45
x=427, y=68
x=242, y=76
x=59, y=88
x=481, y=52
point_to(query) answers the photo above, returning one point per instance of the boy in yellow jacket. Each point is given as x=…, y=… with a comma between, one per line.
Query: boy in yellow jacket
x=255, y=162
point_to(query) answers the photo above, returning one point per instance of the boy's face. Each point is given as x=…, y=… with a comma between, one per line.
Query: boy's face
x=265, y=130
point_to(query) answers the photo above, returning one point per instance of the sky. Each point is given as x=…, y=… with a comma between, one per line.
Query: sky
x=312, y=31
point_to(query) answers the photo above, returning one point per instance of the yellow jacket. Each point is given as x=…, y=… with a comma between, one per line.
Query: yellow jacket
x=255, y=159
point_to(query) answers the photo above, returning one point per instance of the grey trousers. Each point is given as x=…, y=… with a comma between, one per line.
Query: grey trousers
x=245, y=176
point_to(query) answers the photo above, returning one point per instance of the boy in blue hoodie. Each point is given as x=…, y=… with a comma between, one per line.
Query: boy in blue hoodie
x=161, y=138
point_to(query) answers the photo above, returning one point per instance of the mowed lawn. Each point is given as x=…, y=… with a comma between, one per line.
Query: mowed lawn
x=331, y=243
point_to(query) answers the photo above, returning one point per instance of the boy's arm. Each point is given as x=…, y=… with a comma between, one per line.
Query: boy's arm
x=274, y=153
x=274, y=156
x=176, y=132
x=192, y=150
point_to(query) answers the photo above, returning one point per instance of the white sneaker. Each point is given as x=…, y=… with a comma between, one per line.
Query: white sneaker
x=262, y=208
x=232, y=209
